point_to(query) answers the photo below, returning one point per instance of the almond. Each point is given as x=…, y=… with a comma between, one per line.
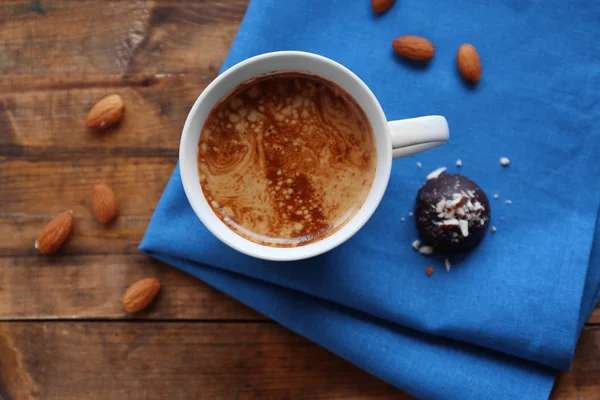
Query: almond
x=140, y=294
x=106, y=112
x=104, y=203
x=414, y=47
x=468, y=63
x=381, y=6
x=54, y=235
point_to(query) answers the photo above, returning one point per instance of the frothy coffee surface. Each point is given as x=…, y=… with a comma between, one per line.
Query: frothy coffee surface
x=286, y=159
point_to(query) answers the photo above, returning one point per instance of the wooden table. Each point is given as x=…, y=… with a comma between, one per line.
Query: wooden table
x=63, y=331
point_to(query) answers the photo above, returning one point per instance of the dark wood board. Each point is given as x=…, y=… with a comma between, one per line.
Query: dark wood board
x=63, y=331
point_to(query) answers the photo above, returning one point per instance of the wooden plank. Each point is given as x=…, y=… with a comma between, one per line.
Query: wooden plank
x=80, y=39
x=91, y=287
x=18, y=232
x=49, y=124
x=137, y=182
x=32, y=193
x=205, y=360
x=105, y=360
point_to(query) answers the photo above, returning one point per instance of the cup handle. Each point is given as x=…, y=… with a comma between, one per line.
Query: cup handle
x=414, y=135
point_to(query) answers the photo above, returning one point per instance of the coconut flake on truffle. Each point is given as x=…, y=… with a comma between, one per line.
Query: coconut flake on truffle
x=447, y=265
x=464, y=227
x=449, y=222
x=437, y=173
x=426, y=250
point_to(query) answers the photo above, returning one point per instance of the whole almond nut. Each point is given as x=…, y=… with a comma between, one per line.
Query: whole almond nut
x=54, y=235
x=104, y=203
x=468, y=63
x=414, y=47
x=140, y=294
x=381, y=6
x=106, y=112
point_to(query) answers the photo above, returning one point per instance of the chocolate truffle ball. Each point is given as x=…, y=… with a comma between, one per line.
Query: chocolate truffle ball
x=452, y=214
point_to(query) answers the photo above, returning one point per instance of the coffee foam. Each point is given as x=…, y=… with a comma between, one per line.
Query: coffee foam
x=286, y=159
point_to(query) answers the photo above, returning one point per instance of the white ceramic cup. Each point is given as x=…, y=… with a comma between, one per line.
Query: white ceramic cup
x=393, y=140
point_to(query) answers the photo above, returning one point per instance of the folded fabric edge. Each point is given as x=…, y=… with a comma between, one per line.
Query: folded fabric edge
x=588, y=300
x=528, y=379
x=562, y=362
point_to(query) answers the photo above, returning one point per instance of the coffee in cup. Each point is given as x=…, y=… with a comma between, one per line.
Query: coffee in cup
x=286, y=159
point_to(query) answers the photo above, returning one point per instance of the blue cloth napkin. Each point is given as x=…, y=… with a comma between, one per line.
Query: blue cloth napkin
x=508, y=314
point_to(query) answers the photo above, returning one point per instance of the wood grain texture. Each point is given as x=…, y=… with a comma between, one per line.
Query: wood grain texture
x=57, y=58
x=34, y=192
x=175, y=361
x=77, y=40
x=91, y=287
x=147, y=360
x=49, y=124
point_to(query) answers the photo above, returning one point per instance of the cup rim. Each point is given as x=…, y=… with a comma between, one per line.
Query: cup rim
x=271, y=253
